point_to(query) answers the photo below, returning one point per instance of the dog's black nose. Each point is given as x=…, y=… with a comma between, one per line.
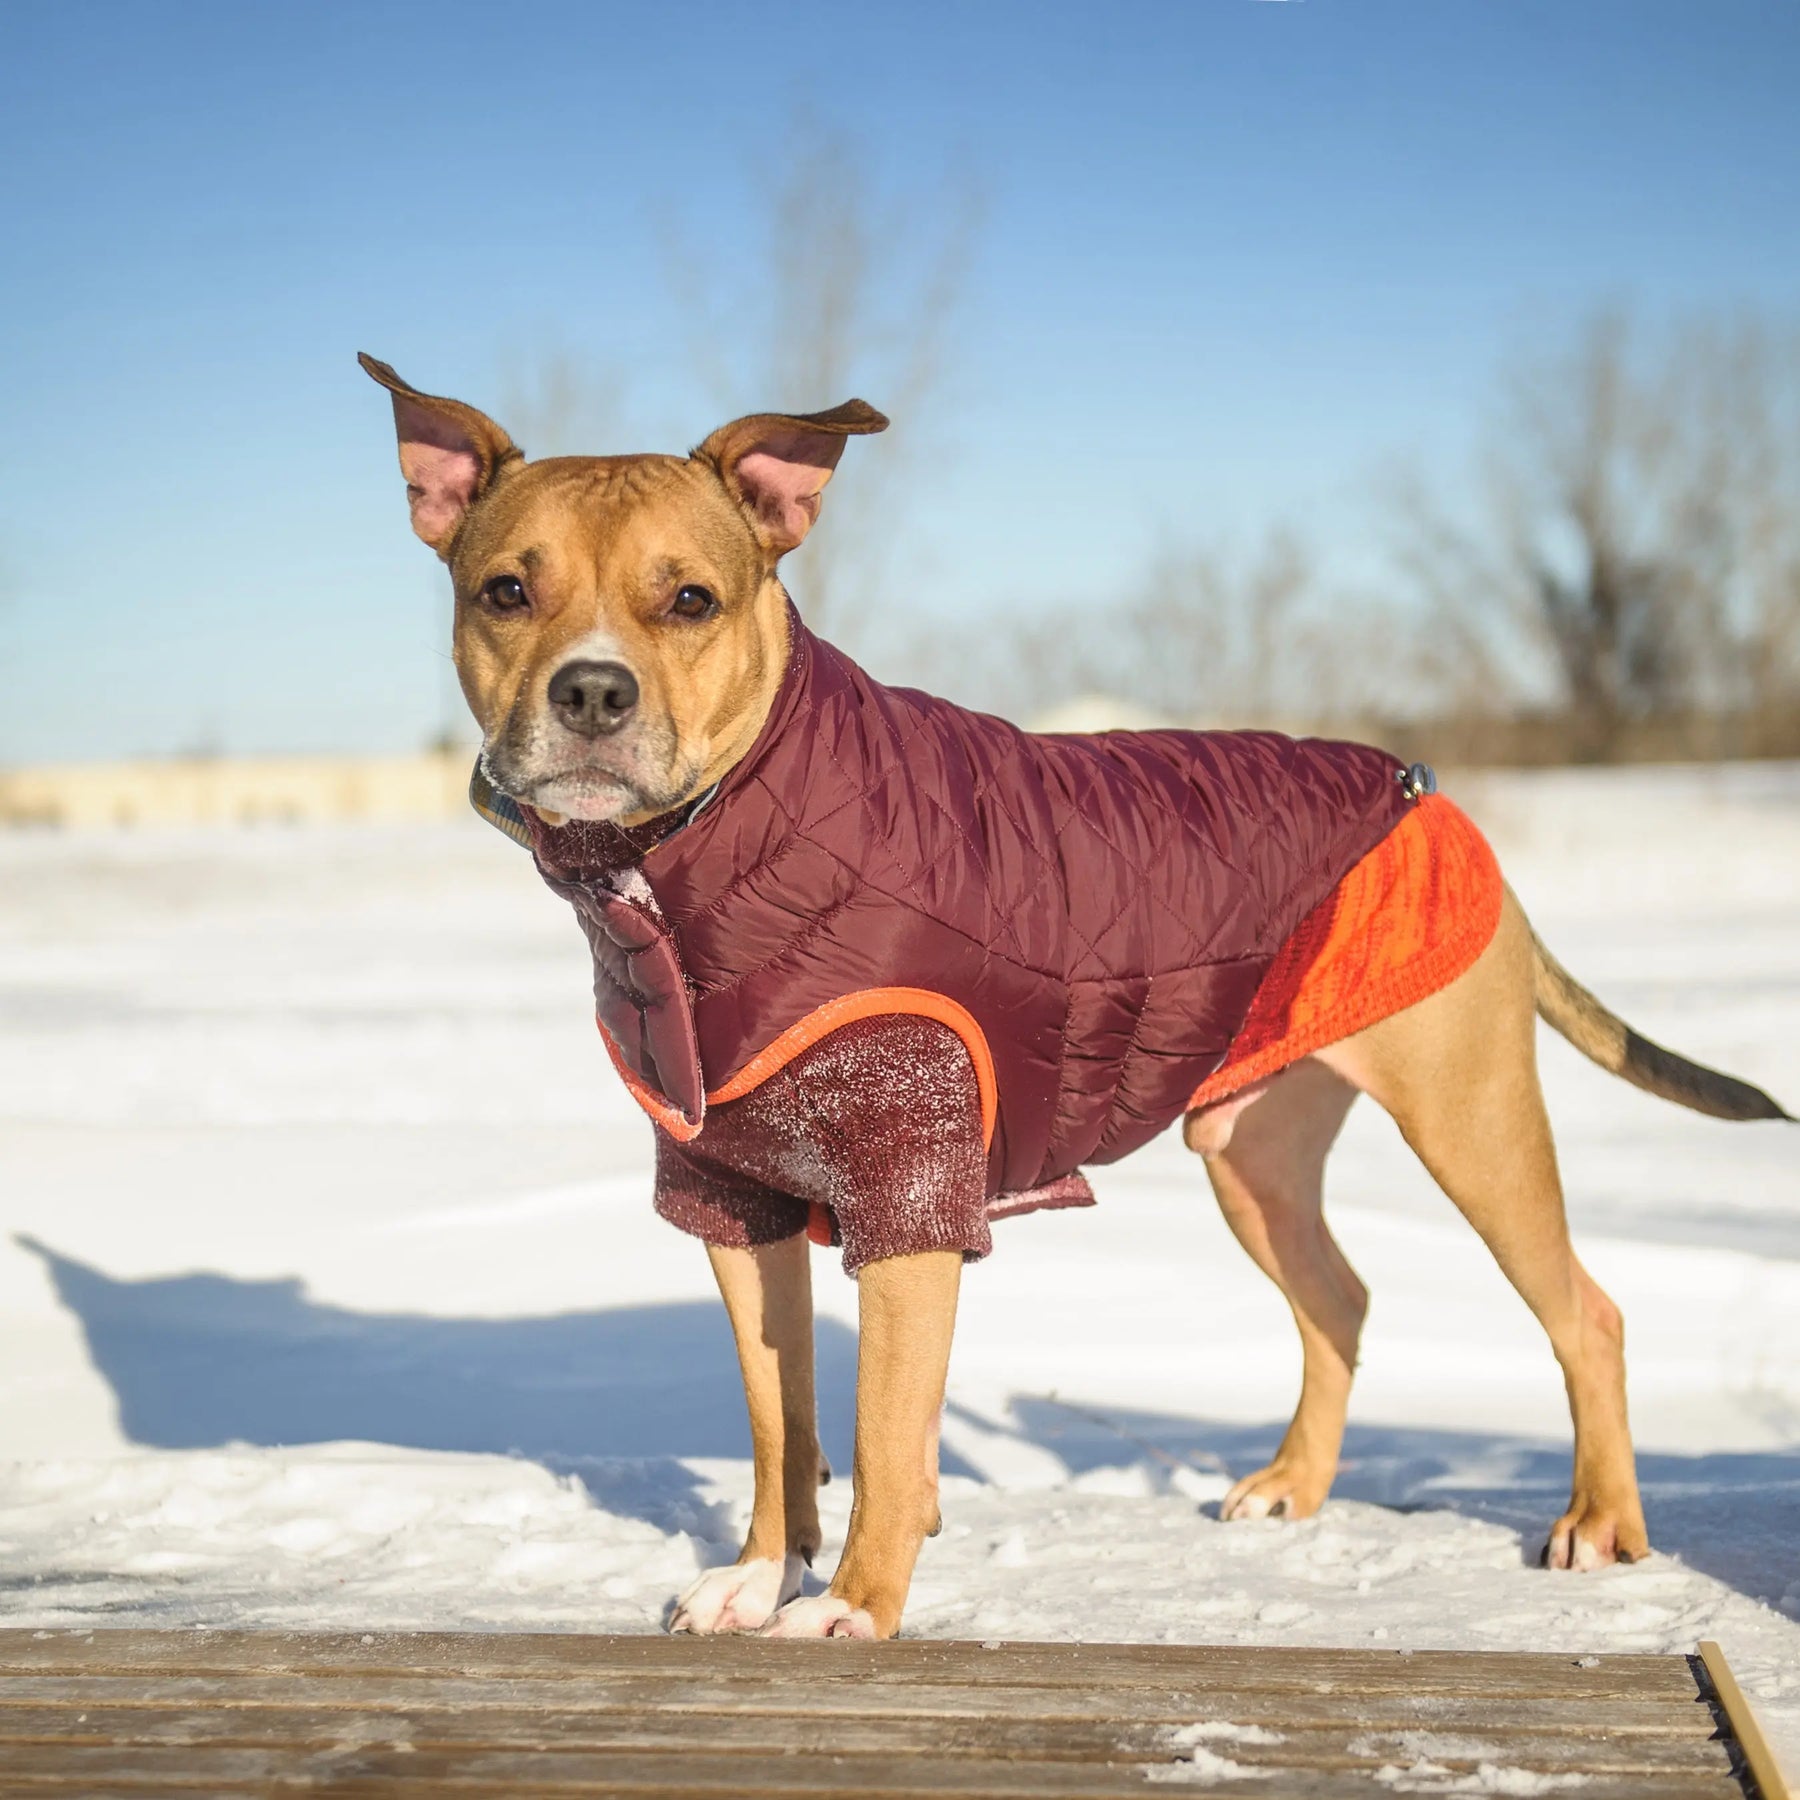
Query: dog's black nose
x=593, y=697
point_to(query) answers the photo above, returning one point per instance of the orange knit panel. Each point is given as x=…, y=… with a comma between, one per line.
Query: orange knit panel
x=1406, y=921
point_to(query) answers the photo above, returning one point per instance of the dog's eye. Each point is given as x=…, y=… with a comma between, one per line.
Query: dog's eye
x=505, y=593
x=693, y=603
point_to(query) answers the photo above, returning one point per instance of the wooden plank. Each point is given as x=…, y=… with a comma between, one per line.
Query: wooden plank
x=562, y=1656
x=849, y=1779
x=404, y=1717
x=847, y=1783
x=91, y=1787
x=1759, y=1755
x=1172, y=1703
x=1293, y=1712
x=1348, y=1744
x=415, y=1775
x=1308, y=1787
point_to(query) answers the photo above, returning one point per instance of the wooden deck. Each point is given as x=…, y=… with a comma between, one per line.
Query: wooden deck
x=115, y=1713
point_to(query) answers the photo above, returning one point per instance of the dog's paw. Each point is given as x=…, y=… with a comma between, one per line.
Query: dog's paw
x=820, y=1616
x=1281, y=1491
x=1592, y=1535
x=740, y=1597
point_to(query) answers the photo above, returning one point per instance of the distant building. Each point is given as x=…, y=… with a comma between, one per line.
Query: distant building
x=1098, y=712
x=238, y=790
x=230, y=790
x=1116, y=712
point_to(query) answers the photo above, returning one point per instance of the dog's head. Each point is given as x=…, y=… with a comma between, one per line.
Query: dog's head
x=620, y=631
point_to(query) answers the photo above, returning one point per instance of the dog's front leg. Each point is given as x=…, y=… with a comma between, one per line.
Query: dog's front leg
x=907, y=1307
x=768, y=1293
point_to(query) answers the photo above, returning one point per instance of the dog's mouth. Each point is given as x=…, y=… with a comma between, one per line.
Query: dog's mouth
x=647, y=768
x=583, y=794
x=590, y=791
x=594, y=794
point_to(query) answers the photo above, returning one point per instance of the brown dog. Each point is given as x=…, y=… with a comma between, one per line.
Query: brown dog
x=621, y=637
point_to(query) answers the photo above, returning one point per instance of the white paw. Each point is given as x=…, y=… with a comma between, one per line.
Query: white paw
x=1246, y=1506
x=821, y=1615
x=1586, y=1556
x=739, y=1597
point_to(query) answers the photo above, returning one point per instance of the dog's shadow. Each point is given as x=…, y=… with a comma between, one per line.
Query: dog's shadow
x=203, y=1360
x=620, y=1396
x=1733, y=1514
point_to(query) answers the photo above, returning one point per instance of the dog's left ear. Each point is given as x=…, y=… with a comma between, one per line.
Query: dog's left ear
x=449, y=454
x=776, y=465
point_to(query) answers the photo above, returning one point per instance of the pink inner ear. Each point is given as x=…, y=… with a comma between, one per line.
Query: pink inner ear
x=441, y=465
x=783, y=484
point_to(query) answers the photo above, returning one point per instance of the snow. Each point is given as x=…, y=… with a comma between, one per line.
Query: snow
x=330, y=1293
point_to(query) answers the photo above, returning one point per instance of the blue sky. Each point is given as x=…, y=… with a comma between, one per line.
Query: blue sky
x=1237, y=256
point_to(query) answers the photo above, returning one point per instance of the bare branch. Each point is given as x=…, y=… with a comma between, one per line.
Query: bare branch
x=1640, y=528
x=562, y=404
x=856, y=293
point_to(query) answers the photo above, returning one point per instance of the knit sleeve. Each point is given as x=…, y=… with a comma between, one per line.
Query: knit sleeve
x=908, y=1163
x=874, y=1130
x=719, y=1205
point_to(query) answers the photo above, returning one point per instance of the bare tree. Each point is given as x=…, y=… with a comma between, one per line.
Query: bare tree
x=855, y=291
x=1203, y=637
x=1229, y=639
x=561, y=404
x=1635, y=556
x=852, y=290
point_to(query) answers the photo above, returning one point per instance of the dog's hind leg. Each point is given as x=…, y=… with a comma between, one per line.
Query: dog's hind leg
x=1266, y=1161
x=1458, y=1072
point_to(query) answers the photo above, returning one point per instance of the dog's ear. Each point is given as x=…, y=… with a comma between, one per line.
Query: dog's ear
x=776, y=465
x=449, y=454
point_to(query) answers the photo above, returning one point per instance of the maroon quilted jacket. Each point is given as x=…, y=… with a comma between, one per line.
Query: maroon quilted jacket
x=1090, y=914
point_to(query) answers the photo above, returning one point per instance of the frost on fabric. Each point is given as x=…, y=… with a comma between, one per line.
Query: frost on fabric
x=630, y=883
x=879, y=1122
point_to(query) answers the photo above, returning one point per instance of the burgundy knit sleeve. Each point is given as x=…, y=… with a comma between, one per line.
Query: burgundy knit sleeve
x=719, y=1205
x=879, y=1123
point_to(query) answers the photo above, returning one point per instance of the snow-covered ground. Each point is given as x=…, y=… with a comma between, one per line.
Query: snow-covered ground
x=330, y=1293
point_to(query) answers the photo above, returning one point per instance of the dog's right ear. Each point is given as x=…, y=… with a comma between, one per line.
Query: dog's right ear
x=449, y=454
x=776, y=465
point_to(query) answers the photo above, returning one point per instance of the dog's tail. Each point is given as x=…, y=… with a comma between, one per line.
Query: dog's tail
x=1568, y=1008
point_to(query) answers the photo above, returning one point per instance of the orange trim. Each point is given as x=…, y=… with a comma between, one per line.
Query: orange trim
x=671, y=1118
x=1405, y=922
x=870, y=1003
x=867, y=1003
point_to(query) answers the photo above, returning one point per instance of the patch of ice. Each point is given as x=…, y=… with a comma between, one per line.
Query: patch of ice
x=1426, y=1777
x=1185, y=1737
x=1203, y=1767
